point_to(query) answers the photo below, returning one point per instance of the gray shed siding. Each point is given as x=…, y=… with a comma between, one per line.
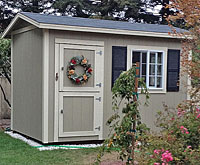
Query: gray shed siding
x=27, y=83
x=156, y=100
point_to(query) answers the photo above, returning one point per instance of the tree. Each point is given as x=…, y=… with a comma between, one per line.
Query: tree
x=106, y=9
x=5, y=64
x=77, y=8
x=6, y=14
x=189, y=11
x=9, y=8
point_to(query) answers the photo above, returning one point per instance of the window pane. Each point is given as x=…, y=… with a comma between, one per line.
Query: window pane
x=152, y=57
x=152, y=81
x=159, y=70
x=136, y=57
x=144, y=57
x=159, y=82
x=144, y=78
x=159, y=58
x=143, y=69
x=151, y=69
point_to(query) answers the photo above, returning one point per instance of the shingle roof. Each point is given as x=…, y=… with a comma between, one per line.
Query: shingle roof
x=96, y=23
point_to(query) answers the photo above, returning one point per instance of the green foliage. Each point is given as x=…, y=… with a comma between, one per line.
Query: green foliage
x=78, y=8
x=180, y=135
x=107, y=9
x=5, y=58
x=125, y=103
x=7, y=13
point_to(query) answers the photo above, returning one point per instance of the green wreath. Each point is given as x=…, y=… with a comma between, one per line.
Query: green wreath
x=82, y=61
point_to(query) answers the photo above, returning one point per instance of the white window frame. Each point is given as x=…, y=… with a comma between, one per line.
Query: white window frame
x=149, y=49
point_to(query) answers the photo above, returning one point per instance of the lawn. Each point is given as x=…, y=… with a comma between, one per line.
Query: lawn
x=14, y=151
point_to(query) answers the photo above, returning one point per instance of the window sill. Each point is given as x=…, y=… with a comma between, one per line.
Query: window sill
x=154, y=90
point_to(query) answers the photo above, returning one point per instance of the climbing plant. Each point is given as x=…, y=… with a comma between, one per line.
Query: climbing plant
x=125, y=123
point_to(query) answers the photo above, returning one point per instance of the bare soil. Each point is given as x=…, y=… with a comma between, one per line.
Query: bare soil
x=107, y=159
x=4, y=123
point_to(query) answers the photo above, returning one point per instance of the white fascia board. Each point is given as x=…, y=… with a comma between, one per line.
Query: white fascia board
x=105, y=31
x=18, y=16
x=86, y=29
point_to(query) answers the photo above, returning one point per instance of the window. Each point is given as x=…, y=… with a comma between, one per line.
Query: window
x=151, y=67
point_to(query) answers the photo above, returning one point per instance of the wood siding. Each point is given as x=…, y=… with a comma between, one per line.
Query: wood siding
x=27, y=83
x=156, y=100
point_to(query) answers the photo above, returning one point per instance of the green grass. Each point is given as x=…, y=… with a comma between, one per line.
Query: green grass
x=14, y=152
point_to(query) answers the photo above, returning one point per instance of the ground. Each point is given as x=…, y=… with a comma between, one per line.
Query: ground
x=4, y=123
x=14, y=151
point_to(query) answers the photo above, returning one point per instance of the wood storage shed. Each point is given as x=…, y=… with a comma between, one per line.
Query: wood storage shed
x=63, y=69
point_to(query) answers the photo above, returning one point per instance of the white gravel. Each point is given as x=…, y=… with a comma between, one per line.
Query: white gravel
x=51, y=147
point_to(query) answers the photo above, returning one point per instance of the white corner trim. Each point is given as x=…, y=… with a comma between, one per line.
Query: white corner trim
x=56, y=100
x=11, y=82
x=45, y=85
x=22, y=30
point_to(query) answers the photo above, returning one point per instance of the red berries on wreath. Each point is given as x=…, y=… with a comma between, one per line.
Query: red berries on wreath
x=73, y=61
x=89, y=70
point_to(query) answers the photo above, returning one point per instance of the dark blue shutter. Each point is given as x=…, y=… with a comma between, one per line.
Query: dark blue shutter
x=173, y=69
x=119, y=60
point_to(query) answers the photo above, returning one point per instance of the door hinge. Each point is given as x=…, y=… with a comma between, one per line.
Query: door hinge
x=62, y=68
x=98, y=99
x=61, y=111
x=98, y=128
x=98, y=85
x=56, y=76
x=100, y=53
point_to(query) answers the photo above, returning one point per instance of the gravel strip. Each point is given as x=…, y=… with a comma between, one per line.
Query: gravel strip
x=51, y=147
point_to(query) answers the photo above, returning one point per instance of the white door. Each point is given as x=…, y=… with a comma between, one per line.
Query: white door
x=80, y=107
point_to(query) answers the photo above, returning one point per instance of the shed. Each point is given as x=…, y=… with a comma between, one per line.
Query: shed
x=49, y=104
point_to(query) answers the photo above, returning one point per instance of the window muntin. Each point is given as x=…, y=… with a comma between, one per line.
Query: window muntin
x=151, y=67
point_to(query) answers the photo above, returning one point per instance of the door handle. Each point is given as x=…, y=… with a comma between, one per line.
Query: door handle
x=56, y=76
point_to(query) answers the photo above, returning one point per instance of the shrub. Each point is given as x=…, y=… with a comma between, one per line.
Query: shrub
x=178, y=141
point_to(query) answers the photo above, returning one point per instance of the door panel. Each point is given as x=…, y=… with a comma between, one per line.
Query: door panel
x=75, y=120
x=78, y=113
x=80, y=107
x=68, y=54
x=95, y=57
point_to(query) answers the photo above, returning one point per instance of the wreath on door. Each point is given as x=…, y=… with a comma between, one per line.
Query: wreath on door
x=79, y=79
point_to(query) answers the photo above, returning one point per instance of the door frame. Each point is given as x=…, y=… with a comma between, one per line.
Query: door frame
x=86, y=43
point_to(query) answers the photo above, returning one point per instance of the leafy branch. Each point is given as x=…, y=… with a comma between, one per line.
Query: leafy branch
x=125, y=123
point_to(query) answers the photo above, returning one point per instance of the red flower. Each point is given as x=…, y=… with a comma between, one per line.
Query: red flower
x=89, y=70
x=77, y=80
x=73, y=61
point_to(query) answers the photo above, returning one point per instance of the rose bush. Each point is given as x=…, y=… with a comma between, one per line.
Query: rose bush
x=178, y=141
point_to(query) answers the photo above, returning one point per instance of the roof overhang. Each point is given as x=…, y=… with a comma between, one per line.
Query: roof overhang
x=84, y=29
x=13, y=22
